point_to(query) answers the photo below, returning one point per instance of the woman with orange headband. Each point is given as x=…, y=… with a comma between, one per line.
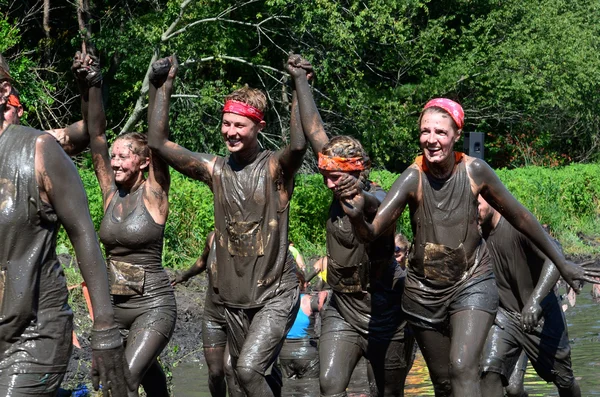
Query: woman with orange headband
x=450, y=296
x=364, y=318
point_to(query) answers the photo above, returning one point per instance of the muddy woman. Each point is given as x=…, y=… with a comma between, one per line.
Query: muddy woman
x=252, y=190
x=530, y=317
x=132, y=230
x=450, y=296
x=40, y=190
x=364, y=318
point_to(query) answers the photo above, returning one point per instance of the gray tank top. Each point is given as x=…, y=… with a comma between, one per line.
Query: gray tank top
x=31, y=278
x=135, y=239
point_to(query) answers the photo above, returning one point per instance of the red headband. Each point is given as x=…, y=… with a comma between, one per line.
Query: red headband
x=13, y=101
x=327, y=163
x=454, y=109
x=243, y=109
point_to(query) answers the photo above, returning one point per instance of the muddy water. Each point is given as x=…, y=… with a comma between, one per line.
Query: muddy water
x=190, y=380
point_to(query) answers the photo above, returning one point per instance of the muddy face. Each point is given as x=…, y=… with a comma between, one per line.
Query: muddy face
x=126, y=165
x=437, y=136
x=240, y=133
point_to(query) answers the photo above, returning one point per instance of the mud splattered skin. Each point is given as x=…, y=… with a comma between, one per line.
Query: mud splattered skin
x=35, y=319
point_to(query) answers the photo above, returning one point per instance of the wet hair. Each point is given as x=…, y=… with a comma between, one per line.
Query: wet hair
x=438, y=110
x=346, y=146
x=139, y=143
x=250, y=96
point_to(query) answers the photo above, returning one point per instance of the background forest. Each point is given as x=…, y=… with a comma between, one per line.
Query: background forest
x=527, y=72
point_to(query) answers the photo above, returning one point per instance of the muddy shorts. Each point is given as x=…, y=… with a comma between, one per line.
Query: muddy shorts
x=387, y=353
x=480, y=293
x=547, y=347
x=22, y=385
x=257, y=334
x=299, y=358
x=155, y=309
x=214, y=326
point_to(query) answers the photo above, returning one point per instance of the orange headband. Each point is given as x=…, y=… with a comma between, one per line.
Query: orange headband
x=327, y=163
x=243, y=109
x=13, y=101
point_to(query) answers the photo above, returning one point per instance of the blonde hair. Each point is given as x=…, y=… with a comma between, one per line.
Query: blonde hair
x=250, y=96
x=348, y=147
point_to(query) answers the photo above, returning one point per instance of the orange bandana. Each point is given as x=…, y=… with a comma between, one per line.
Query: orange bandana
x=327, y=163
x=13, y=101
x=420, y=161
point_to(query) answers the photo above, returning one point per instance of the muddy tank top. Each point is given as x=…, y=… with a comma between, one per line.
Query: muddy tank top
x=251, y=230
x=362, y=276
x=447, y=247
x=211, y=266
x=134, y=239
x=32, y=281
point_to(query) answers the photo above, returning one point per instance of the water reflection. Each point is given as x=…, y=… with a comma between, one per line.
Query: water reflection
x=190, y=380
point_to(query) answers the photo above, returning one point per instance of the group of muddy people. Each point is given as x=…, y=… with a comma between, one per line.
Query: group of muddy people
x=474, y=289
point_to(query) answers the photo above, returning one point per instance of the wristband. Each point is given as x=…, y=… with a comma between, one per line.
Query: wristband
x=106, y=339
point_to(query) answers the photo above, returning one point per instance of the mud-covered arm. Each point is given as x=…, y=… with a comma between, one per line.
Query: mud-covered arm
x=312, y=124
x=404, y=189
x=61, y=185
x=532, y=311
x=99, y=145
x=292, y=155
x=199, y=266
x=493, y=190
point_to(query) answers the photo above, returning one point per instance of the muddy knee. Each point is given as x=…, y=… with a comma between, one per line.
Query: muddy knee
x=333, y=384
x=464, y=371
x=247, y=376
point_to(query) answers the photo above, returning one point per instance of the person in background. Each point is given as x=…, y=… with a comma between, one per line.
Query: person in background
x=299, y=356
x=297, y=257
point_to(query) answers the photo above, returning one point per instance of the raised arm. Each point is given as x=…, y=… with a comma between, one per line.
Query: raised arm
x=75, y=138
x=292, y=155
x=312, y=123
x=402, y=191
x=159, y=97
x=98, y=143
x=493, y=190
x=199, y=266
x=197, y=166
x=61, y=186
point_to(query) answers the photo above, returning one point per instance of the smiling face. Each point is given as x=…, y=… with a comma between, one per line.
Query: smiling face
x=240, y=133
x=126, y=164
x=438, y=135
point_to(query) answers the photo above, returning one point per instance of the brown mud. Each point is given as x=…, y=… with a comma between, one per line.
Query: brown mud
x=184, y=347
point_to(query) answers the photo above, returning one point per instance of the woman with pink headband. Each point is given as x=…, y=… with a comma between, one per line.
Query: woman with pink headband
x=450, y=296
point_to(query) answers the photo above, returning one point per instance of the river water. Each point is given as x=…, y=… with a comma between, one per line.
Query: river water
x=190, y=379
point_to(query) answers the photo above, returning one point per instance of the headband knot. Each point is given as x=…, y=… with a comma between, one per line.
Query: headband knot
x=243, y=109
x=13, y=101
x=453, y=108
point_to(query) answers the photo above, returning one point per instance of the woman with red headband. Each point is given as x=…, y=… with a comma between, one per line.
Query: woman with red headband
x=364, y=318
x=450, y=296
x=252, y=191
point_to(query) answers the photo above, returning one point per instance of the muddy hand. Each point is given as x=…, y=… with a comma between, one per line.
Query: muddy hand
x=347, y=187
x=177, y=280
x=303, y=63
x=530, y=316
x=109, y=366
x=160, y=71
x=575, y=274
x=353, y=207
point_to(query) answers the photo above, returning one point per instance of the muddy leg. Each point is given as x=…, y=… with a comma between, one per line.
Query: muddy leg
x=491, y=385
x=435, y=348
x=338, y=359
x=233, y=385
x=143, y=347
x=469, y=330
x=215, y=360
x=515, y=386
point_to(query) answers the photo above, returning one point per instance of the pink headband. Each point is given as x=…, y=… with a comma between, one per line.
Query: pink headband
x=454, y=109
x=243, y=109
